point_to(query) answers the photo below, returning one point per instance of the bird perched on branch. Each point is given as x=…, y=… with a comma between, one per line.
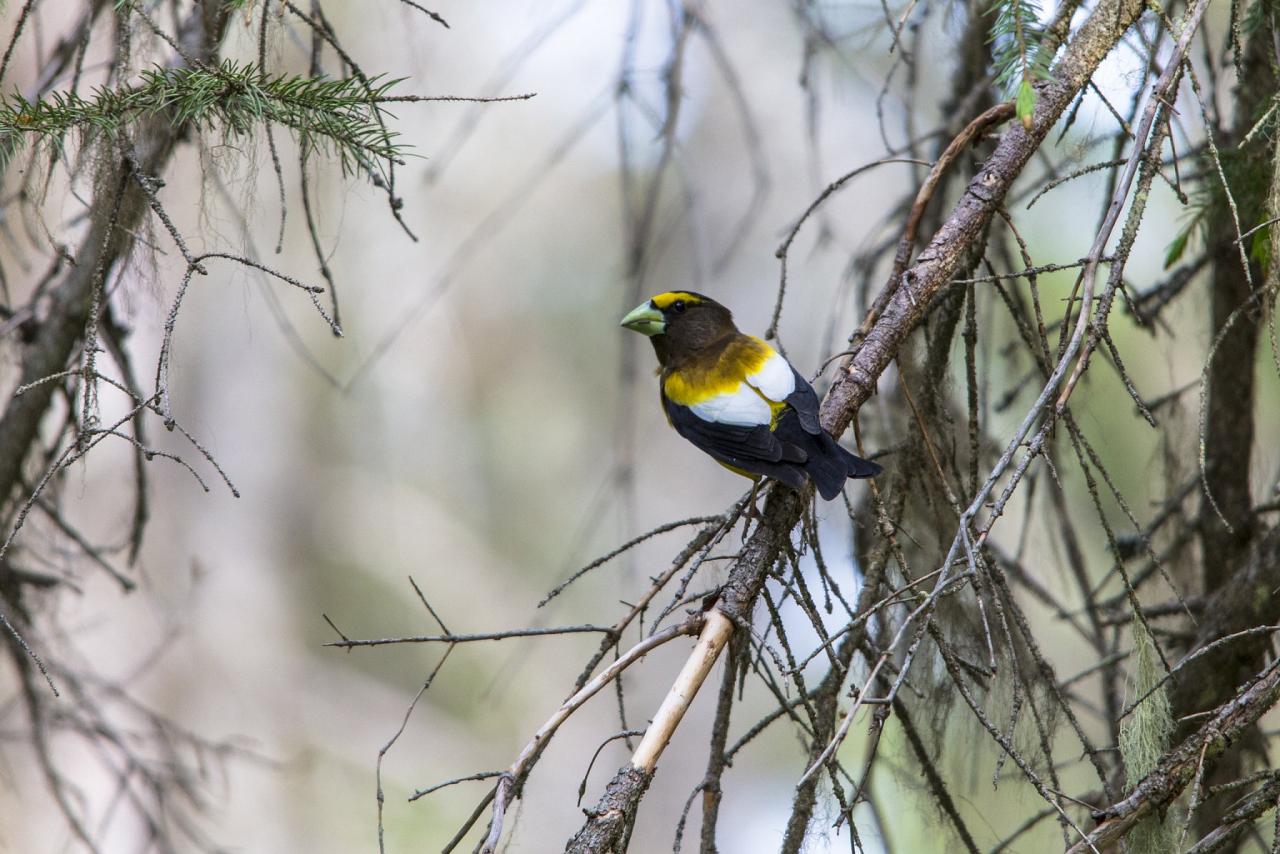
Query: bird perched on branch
x=738, y=399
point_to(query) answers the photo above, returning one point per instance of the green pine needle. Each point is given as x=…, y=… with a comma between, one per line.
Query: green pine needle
x=1026, y=103
x=1018, y=56
x=1173, y=254
x=340, y=116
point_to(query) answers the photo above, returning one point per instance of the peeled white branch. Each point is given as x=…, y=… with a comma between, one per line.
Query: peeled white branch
x=716, y=629
x=532, y=750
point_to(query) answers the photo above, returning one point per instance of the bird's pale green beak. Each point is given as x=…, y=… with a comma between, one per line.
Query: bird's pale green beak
x=645, y=319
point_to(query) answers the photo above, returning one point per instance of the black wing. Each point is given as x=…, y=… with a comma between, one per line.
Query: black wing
x=804, y=400
x=796, y=450
x=828, y=464
x=751, y=449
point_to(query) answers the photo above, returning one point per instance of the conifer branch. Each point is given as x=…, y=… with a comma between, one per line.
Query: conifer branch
x=336, y=115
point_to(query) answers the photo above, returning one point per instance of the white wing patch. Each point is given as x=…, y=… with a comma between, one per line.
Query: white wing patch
x=748, y=404
x=775, y=379
x=742, y=407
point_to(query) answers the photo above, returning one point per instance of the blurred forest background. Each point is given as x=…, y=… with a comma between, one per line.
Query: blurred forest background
x=484, y=427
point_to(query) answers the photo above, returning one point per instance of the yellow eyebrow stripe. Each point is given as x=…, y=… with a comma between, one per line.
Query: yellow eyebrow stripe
x=662, y=301
x=696, y=384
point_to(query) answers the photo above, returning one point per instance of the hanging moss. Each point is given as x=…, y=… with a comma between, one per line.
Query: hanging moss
x=1144, y=738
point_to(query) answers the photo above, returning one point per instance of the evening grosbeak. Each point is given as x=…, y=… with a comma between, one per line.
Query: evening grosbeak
x=738, y=399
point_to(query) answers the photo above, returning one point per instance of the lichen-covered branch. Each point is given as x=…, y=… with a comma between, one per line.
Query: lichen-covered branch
x=1179, y=766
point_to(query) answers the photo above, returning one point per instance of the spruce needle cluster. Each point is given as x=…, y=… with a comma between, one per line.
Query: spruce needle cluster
x=341, y=116
x=1018, y=52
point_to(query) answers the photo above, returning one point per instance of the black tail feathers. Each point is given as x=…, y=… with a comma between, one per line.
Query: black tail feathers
x=829, y=469
x=857, y=466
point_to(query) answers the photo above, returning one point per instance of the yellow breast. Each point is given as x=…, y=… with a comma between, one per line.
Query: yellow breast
x=696, y=384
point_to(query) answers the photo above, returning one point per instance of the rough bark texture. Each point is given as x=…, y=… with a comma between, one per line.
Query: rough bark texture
x=608, y=827
x=1240, y=819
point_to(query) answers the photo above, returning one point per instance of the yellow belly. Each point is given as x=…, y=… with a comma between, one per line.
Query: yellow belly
x=747, y=474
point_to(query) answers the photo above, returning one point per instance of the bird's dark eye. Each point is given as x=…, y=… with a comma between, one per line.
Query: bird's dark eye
x=678, y=306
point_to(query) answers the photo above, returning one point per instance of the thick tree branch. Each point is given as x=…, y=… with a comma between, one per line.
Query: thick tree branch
x=1240, y=820
x=1179, y=766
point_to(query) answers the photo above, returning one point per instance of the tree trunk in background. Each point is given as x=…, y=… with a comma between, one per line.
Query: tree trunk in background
x=1239, y=572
